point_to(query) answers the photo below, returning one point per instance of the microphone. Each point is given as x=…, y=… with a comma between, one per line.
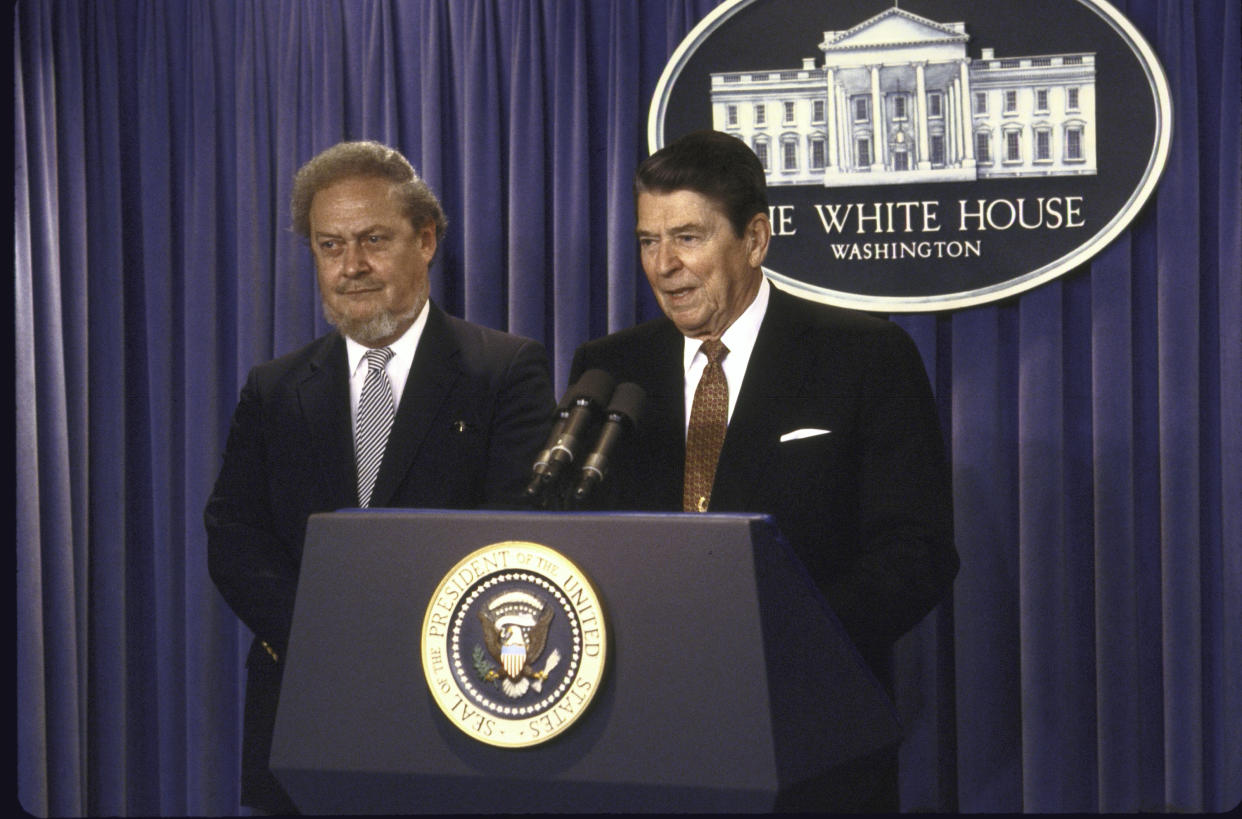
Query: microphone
x=623, y=412
x=576, y=411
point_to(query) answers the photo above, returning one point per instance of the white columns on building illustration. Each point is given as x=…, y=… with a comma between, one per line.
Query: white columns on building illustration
x=897, y=99
x=879, y=133
x=967, y=122
x=921, y=106
x=831, y=160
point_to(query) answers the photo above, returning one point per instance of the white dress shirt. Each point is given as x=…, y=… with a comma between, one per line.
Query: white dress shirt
x=398, y=368
x=740, y=341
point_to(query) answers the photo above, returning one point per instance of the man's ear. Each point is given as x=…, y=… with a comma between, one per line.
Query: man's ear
x=427, y=240
x=758, y=236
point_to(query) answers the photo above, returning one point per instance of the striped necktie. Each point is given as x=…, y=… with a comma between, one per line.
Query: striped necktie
x=709, y=418
x=375, y=413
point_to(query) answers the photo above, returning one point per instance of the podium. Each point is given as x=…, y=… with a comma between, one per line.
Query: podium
x=729, y=685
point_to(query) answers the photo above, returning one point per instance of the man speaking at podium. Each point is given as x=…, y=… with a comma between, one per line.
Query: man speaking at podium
x=402, y=405
x=758, y=401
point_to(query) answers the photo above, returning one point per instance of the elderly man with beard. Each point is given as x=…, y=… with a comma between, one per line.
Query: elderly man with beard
x=462, y=411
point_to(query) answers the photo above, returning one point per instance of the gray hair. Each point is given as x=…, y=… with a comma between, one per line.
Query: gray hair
x=347, y=160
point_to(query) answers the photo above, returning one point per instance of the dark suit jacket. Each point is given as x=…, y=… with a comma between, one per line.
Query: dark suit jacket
x=867, y=506
x=476, y=409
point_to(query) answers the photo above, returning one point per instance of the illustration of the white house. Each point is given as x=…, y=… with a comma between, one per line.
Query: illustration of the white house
x=898, y=100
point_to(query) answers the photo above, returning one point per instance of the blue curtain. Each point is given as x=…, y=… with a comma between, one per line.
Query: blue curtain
x=1091, y=656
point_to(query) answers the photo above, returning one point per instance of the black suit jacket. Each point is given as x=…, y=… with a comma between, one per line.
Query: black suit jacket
x=866, y=506
x=475, y=411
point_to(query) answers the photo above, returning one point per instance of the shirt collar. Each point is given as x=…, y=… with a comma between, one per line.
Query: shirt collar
x=403, y=348
x=740, y=336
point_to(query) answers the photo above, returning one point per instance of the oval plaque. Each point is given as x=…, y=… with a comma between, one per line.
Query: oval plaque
x=928, y=154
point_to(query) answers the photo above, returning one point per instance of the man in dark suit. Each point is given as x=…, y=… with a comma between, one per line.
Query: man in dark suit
x=829, y=424
x=403, y=405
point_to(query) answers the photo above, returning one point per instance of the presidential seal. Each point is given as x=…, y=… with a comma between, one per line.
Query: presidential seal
x=513, y=644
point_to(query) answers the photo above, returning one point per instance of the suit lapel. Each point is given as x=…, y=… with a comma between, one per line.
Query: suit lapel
x=664, y=445
x=435, y=370
x=775, y=371
x=323, y=395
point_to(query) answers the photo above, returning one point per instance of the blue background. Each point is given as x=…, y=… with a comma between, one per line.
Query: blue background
x=1091, y=656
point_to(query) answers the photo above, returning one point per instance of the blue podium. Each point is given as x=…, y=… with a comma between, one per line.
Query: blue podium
x=729, y=684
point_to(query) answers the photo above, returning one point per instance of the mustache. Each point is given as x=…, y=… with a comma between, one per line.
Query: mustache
x=356, y=286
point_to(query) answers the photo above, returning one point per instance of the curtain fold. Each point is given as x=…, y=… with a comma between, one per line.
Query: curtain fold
x=984, y=453
x=1116, y=625
x=483, y=129
x=49, y=719
x=1223, y=116
x=1090, y=658
x=1178, y=293
x=527, y=227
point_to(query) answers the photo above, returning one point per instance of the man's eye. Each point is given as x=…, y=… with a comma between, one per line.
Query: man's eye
x=375, y=238
x=328, y=244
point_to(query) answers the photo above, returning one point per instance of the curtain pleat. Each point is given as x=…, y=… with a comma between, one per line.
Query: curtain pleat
x=159, y=391
x=1222, y=114
x=1117, y=637
x=114, y=597
x=483, y=131
x=1178, y=297
x=49, y=722
x=986, y=512
x=527, y=227
x=437, y=150
x=1090, y=656
x=571, y=270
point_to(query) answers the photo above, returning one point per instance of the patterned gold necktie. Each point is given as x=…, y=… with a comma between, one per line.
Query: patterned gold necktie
x=709, y=418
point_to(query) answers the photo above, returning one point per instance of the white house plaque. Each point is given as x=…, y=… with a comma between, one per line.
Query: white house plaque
x=928, y=154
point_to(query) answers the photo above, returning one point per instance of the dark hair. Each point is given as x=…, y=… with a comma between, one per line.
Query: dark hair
x=715, y=165
x=347, y=160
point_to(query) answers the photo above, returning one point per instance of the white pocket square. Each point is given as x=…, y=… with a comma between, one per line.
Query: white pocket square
x=803, y=433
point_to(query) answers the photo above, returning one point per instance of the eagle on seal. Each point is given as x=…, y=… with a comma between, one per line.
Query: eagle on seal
x=516, y=649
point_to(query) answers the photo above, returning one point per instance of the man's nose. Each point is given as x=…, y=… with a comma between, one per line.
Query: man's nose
x=667, y=260
x=356, y=261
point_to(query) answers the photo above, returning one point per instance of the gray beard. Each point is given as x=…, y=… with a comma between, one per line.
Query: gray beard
x=368, y=331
